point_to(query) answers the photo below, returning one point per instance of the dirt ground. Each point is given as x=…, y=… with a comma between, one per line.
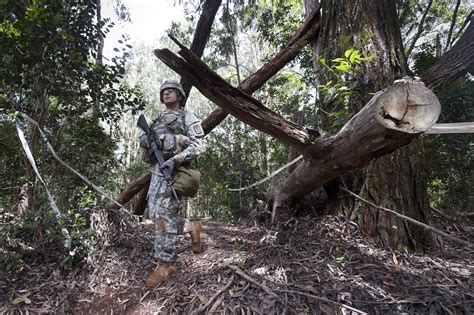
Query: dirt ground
x=313, y=265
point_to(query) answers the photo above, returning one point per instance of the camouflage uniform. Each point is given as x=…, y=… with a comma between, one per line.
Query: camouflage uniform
x=179, y=134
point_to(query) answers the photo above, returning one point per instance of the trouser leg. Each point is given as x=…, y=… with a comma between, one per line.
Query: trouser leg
x=164, y=210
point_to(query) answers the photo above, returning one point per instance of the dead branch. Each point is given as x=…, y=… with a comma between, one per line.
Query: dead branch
x=390, y=120
x=425, y=226
x=249, y=279
x=238, y=103
x=214, y=307
x=453, y=23
x=420, y=29
x=202, y=33
x=131, y=190
x=324, y=300
x=464, y=24
x=211, y=300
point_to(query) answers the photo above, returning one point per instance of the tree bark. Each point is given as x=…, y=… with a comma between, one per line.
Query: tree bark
x=202, y=33
x=453, y=64
x=394, y=181
x=293, y=152
x=131, y=190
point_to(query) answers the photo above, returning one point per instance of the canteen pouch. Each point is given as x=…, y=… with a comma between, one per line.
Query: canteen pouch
x=187, y=181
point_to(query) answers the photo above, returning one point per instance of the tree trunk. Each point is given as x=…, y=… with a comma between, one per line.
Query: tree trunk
x=131, y=190
x=331, y=156
x=202, y=33
x=394, y=181
x=453, y=64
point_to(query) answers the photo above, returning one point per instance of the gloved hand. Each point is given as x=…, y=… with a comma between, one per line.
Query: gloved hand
x=144, y=142
x=170, y=164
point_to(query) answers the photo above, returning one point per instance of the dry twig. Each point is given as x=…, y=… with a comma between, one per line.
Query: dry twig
x=249, y=279
x=211, y=300
x=324, y=300
x=425, y=226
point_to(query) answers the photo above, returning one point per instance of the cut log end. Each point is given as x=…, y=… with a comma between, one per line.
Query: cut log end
x=408, y=106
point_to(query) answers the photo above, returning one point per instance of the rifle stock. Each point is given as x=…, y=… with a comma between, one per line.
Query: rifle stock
x=143, y=125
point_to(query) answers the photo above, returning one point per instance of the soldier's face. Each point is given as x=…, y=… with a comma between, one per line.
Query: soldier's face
x=171, y=96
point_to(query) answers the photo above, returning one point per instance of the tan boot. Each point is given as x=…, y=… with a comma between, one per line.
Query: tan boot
x=196, y=240
x=159, y=275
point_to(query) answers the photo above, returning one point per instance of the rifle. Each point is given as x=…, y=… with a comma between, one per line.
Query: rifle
x=142, y=123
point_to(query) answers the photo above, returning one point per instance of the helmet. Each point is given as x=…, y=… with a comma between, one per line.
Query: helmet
x=172, y=84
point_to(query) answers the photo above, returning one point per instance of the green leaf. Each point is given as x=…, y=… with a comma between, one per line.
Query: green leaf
x=348, y=52
x=354, y=56
x=344, y=67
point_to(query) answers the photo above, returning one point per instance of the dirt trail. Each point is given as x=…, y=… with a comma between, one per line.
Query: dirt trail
x=312, y=265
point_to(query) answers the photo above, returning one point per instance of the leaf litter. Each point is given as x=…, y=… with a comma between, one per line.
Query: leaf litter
x=314, y=265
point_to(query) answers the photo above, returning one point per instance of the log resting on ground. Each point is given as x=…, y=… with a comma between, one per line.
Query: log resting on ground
x=131, y=190
x=391, y=119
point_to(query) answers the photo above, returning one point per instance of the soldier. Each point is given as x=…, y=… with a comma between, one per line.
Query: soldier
x=178, y=134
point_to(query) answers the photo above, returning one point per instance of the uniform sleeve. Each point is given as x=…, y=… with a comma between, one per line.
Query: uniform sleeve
x=195, y=134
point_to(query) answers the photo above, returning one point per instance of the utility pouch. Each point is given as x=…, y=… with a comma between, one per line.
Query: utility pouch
x=186, y=181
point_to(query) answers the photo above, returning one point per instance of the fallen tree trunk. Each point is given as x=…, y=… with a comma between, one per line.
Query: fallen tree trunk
x=238, y=103
x=307, y=32
x=202, y=33
x=391, y=119
x=131, y=190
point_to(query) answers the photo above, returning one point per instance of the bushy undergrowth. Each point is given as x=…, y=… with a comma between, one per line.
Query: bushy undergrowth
x=40, y=237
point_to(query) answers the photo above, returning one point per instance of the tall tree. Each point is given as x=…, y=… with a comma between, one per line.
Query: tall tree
x=396, y=181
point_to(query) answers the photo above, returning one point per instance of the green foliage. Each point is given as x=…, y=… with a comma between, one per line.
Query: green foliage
x=449, y=157
x=228, y=162
x=339, y=257
x=337, y=93
x=39, y=237
x=286, y=93
x=277, y=23
x=437, y=22
x=49, y=71
x=240, y=253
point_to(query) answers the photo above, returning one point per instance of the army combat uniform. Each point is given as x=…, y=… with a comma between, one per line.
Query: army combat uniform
x=179, y=136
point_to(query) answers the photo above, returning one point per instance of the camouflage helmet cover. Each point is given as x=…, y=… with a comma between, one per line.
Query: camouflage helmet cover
x=172, y=84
